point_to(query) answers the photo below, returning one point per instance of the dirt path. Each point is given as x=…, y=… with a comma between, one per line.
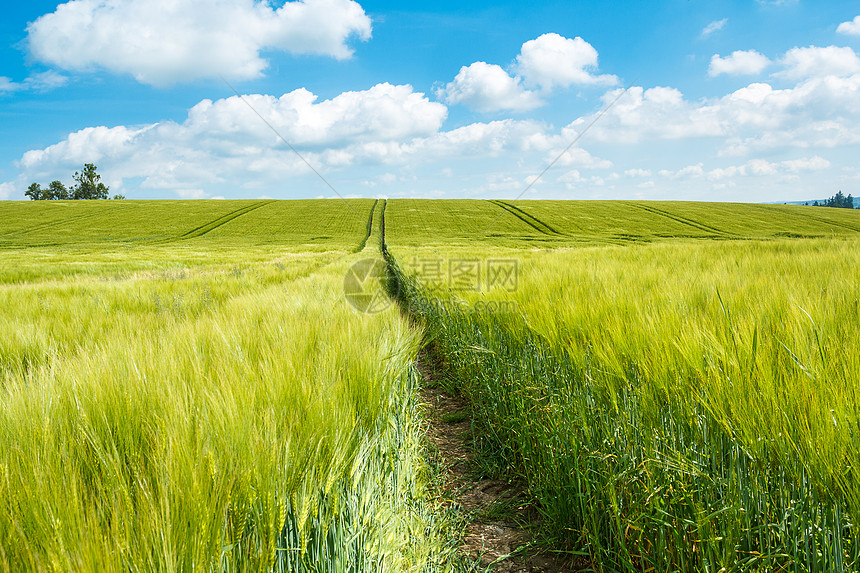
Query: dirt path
x=495, y=510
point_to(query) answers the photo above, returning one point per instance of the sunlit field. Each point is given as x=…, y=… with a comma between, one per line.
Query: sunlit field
x=684, y=405
x=199, y=407
x=185, y=387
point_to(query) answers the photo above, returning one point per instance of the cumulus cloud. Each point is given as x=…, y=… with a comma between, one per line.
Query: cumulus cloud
x=851, y=27
x=815, y=163
x=816, y=61
x=551, y=61
x=161, y=42
x=738, y=63
x=481, y=139
x=85, y=146
x=386, y=131
x=637, y=172
x=821, y=109
x=42, y=81
x=752, y=168
x=654, y=113
x=581, y=158
x=383, y=112
x=548, y=62
x=224, y=140
x=6, y=189
x=486, y=88
x=714, y=26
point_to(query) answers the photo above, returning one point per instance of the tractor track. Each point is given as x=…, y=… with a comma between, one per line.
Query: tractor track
x=369, y=228
x=529, y=220
x=682, y=220
x=222, y=220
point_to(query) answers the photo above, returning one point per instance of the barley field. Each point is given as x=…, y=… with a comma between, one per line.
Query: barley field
x=194, y=406
x=683, y=405
x=184, y=386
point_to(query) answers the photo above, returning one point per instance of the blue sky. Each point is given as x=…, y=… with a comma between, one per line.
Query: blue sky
x=732, y=101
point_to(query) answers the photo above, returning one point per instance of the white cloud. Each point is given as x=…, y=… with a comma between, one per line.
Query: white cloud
x=85, y=146
x=688, y=172
x=161, y=42
x=579, y=157
x=479, y=140
x=637, y=172
x=851, y=27
x=42, y=81
x=762, y=167
x=6, y=189
x=649, y=114
x=365, y=139
x=543, y=64
x=753, y=167
x=714, y=26
x=201, y=159
x=486, y=88
x=815, y=61
x=739, y=63
x=225, y=141
x=821, y=110
x=191, y=193
x=573, y=180
x=383, y=112
x=806, y=164
x=552, y=60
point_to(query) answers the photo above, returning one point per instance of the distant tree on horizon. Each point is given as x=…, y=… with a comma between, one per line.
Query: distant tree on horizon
x=89, y=186
x=57, y=191
x=35, y=192
x=839, y=201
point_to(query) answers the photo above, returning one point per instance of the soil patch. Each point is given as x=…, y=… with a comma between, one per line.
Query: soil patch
x=496, y=536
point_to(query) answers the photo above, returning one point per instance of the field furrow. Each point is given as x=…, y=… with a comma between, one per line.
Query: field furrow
x=223, y=220
x=529, y=220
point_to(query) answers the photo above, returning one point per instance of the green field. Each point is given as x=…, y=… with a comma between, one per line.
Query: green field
x=416, y=222
x=337, y=223
x=184, y=386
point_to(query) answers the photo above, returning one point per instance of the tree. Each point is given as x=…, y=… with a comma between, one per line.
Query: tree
x=840, y=201
x=118, y=197
x=35, y=192
x=57, y=191
x=89, y=185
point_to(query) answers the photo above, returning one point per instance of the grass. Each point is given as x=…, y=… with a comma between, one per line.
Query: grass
x=454, y=417
x=554, y=224
x=454, y=222
x=672, y=403
x=183, y=387
x=342, y=224
x=312, y=223
x=175, y=409
x=686, y=405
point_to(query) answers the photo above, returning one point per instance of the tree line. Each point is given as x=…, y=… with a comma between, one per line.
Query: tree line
x=87, y=185
x=839, y=200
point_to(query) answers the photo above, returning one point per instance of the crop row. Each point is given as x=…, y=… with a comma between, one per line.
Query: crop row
x=682, y=406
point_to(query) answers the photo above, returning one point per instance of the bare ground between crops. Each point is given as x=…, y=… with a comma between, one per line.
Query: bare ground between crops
x=485, y=542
